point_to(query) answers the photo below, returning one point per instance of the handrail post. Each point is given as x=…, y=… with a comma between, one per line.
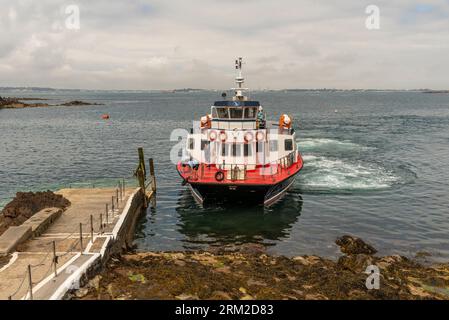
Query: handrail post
x=107, y=214
x=91, y=228
x=112, y=207
x=81, y=237
x=30, y=283
x=55, y=259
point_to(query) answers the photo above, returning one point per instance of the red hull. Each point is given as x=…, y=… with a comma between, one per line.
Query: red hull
x=261, y=175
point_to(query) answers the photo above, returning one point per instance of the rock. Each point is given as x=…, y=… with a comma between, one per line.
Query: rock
x=180, y=263
x=26, y=204
x=81, y=293
x=184, y=296
x=354, y=245
x=251, y=282
x=137, y=278
x=356, y=263
x=95, y=283
x=386, y=262
x=307, y=260
x=220, y=295
x=247, y=297
x=242, y=290
x=316, y=296
x=252, y=248
x=79, y=103
x=224, y=269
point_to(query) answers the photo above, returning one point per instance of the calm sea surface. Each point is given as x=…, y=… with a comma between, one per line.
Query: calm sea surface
x=375, y=167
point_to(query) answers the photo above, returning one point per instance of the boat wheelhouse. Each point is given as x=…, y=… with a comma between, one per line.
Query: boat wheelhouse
x=235, y=152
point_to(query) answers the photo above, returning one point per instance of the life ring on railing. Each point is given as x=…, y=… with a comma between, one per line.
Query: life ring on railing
x=212, y=135
x=285, y=121
x=219, y=176
x=260, y=136
x=223, y=136
x=248, y=137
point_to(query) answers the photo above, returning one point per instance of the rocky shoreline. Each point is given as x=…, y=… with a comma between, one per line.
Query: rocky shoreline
x=249, y=273
x=26, y=204
x=18, y=103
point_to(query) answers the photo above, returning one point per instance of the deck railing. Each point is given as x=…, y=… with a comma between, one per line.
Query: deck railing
x=239, y=172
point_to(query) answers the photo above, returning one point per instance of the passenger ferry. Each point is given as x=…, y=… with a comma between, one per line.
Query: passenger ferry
x=234, y=152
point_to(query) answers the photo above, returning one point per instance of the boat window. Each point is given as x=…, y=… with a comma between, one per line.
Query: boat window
x=236, y=150
x=259, y=147
x=214, y=112
x=250, y=113
x=191, y=143
x=288, y=144
x=273, y=145
x=236, y=113
x=204, y=144
x=223, y=113
x=224, y=150
x=247, y=150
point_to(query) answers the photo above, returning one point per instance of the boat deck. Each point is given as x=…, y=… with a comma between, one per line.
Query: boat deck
x=270, y=174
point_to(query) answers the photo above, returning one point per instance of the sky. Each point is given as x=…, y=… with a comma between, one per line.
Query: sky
x=166, y=44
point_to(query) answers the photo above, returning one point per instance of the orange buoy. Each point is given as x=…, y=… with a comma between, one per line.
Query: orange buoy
x=105, y=116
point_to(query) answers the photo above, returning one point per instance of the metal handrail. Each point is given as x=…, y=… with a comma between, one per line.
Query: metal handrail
x=283, y=163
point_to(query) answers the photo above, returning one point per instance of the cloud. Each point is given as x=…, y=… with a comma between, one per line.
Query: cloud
x=158, y=44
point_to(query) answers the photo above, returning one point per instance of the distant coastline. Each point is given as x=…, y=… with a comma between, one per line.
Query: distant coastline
x=18, y=103
x=187, y=90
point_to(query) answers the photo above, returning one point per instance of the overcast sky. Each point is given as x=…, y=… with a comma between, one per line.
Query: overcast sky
x=163, y=44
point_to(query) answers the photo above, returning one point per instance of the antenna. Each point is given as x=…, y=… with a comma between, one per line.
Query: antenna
x=238, y=66
x=239, y=95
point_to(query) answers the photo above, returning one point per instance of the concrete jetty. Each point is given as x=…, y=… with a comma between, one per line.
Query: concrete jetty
x=55, y=251
x=76, y=256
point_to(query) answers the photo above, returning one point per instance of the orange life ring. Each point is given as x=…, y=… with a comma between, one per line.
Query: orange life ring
x=285, y=121
x=260, y=136
x=205, y=121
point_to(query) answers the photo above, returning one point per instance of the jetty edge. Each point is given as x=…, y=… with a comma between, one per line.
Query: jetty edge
x=54, y=256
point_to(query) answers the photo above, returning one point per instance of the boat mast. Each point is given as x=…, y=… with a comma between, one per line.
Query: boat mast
x=239, y=80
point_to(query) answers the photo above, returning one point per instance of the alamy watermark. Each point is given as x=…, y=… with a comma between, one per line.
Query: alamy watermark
x=73, y=18
x=372, y=22
x=373, y=279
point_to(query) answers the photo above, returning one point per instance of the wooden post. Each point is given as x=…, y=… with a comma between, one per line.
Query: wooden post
x=101, y=223
x=30, y=283
x=142, y=161
x=153, y=176
x=107, y=214
x=142, y=185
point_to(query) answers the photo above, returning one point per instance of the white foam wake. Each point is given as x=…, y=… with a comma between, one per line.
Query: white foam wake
x=328, y=145
x=325, y=174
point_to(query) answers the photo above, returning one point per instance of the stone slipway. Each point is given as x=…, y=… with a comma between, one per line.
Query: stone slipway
x=75, y=264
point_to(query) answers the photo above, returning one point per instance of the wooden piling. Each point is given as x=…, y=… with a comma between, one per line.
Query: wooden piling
x=153, y=177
